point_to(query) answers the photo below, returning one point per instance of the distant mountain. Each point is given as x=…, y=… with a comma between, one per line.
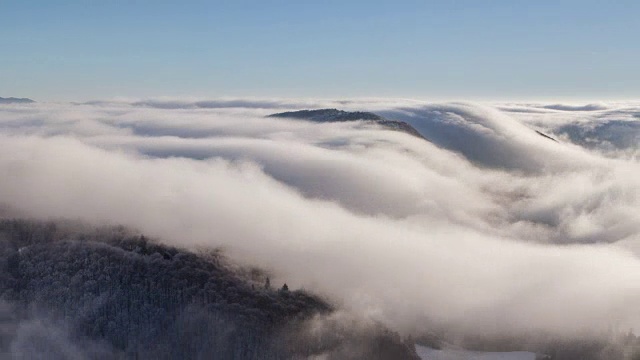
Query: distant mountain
x=329, y=115
x=335, y=115
x=12, y=100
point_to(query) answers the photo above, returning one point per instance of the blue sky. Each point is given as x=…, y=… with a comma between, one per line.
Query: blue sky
x=499, y=49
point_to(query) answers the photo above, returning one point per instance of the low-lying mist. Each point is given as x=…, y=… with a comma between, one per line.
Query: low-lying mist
x=482, y=227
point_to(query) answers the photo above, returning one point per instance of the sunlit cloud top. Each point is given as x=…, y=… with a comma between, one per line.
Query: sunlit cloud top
x=498, y=219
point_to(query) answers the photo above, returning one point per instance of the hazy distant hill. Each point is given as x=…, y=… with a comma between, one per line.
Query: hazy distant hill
x=12, y=100
x=335, y=115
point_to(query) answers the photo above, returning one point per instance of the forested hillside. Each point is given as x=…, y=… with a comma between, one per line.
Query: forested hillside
x=72, y=291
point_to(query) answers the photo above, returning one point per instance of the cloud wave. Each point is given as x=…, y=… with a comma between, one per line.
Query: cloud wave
x=487, y=227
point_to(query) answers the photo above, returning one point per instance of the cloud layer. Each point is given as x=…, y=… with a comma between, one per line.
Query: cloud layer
x=487, y=227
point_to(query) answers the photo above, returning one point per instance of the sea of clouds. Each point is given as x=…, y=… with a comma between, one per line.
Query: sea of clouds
x=484, y=225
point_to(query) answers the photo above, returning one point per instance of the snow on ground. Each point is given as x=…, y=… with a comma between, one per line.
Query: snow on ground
x=427, y=353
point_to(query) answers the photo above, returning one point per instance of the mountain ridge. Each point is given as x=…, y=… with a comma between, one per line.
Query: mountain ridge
x=14, y=100
x=117, y=291
x=335, y=115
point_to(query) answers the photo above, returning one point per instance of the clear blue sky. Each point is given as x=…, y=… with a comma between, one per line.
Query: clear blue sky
x=491, y=49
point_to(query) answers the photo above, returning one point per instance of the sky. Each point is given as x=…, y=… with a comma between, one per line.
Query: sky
x=462, y=50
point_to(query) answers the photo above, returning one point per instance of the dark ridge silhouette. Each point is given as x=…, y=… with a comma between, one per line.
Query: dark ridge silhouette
x=335, y=115
x=329, y=115
x=545, y=135
x=13, y=100
x=111, y=293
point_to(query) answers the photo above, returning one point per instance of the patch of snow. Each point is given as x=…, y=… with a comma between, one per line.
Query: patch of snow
x=427, y=353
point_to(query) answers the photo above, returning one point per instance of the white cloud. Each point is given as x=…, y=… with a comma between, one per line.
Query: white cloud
x=493, y=228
